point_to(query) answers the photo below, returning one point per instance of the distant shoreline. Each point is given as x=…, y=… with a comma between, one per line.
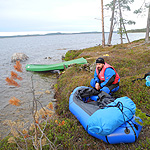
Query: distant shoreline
x=59, y=33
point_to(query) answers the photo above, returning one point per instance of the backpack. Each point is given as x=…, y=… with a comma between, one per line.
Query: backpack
x=86, y=92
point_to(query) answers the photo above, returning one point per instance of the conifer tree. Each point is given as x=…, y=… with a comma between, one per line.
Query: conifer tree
x=117, y=7
x=143, y=7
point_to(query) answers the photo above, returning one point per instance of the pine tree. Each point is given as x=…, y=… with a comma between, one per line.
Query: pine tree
x=141, y=10
x=117, y=7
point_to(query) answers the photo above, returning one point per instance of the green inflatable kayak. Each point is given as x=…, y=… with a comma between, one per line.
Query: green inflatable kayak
x=58, y=66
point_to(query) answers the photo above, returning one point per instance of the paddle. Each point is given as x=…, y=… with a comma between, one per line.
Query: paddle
x=147, y=115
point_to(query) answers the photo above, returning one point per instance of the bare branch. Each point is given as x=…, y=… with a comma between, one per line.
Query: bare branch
x=50, y=143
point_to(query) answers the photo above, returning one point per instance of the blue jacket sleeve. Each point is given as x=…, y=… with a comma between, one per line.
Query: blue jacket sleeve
x=109, y=72
x=96, y=77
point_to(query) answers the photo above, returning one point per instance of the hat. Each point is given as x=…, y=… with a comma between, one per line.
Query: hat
x=100, y=60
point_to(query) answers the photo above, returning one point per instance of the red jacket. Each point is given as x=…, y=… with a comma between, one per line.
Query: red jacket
x=101, y=74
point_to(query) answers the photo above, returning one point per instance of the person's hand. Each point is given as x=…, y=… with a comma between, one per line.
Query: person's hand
x=97, y=86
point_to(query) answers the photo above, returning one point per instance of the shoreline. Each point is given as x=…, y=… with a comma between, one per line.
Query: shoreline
x=48, y=34
x=58, y=33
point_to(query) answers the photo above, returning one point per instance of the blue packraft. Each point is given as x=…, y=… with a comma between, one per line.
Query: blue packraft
x=107, y=122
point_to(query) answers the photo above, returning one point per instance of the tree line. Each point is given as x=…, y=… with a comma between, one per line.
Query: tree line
x=117, y=8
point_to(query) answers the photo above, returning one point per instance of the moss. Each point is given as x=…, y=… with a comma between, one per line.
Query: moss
x=72, y=54
x=4, y=145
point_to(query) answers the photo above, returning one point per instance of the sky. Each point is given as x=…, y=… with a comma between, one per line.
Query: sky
x=59, y=16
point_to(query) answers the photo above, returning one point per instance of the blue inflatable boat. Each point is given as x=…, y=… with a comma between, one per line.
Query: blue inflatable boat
x=114, y=123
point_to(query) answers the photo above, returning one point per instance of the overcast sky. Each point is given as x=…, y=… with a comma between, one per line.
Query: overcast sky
x=59, y=15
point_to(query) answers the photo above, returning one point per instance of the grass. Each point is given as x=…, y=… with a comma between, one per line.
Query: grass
x=131, y=61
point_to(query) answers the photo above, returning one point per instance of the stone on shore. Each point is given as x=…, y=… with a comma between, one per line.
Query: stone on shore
x=47, y=92
x=19, y=57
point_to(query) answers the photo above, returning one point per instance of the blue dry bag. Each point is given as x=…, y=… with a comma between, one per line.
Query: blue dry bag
x=105, y=121
x=148, y=81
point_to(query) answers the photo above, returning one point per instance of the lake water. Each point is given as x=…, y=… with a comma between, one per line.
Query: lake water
x=37, y=48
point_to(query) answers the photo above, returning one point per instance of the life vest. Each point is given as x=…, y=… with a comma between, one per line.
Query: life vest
x=101, y=73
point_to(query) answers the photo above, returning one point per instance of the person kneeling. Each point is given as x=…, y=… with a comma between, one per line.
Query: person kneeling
x=105, y=77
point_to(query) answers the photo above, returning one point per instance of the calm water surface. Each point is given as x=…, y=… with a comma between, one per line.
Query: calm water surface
x=37, y=48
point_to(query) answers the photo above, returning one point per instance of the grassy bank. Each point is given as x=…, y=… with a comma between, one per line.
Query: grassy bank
x=131, y=61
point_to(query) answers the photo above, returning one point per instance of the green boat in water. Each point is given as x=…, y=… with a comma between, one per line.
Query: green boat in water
x=58, y=66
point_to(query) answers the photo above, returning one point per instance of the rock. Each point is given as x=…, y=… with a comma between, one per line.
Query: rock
x=55, y=71
x=54, y=100
x=47, y=58
x=92, y=67
x=39, y=93
x=19, y=56
x=62, y=57
x=47, y=92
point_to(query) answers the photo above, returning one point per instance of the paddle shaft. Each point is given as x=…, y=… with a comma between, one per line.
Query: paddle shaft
x=148, y=115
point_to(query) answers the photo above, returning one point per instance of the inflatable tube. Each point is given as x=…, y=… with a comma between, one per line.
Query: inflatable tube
x=127, y=132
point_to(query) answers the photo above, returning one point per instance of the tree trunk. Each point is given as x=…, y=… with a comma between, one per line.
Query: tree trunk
x=103, y=34
x=148, y=26
x=120, y=23
x=126, y=33
x=124, y=27
x=112, y=22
